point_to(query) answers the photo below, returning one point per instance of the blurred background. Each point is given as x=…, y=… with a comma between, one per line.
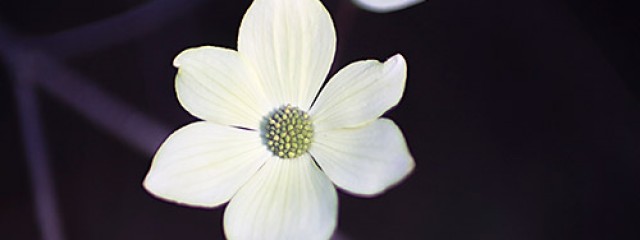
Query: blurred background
x=523, y=117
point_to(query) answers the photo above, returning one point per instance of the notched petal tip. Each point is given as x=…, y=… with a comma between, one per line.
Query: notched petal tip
x=177, y=61
x=152, y=187
x=395, y=68
x=152, y=184
x=396, y=63
x=186, y=55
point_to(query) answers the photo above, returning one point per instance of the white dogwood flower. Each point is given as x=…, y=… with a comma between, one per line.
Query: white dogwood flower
x=266, y=145
x=384, y=6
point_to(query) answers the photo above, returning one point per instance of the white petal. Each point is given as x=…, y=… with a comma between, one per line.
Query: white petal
x=364, y=161
x=286, y=199
x=360, y=93
x=215, y=84
x=384, y=6
x=203, y=164
x=291, y=44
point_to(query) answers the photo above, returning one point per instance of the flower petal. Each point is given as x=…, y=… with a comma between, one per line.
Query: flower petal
x=215, y=84
x=384, y=6
x=364, y=161
x=203, y=164
x=360, y=93
x=291, y=44
x=286, y=199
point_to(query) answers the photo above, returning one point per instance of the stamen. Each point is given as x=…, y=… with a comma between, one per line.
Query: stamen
x=288, y=132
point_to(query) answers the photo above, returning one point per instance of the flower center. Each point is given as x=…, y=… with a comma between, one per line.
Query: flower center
x=288, y=132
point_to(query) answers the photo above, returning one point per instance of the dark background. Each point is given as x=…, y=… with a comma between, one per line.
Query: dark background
x=523, y=117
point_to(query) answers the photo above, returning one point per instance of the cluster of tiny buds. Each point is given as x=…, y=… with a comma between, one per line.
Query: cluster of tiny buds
x=288, y=132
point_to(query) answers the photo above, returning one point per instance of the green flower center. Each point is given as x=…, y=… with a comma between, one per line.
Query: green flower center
x=288, y=132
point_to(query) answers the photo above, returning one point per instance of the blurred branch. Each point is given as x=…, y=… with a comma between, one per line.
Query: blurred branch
x=30, y=69
x=118, y=118
x=114, y=30
x=102, y=109
x=42, y=182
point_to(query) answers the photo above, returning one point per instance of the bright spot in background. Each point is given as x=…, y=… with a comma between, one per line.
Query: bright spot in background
x=384, y=6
